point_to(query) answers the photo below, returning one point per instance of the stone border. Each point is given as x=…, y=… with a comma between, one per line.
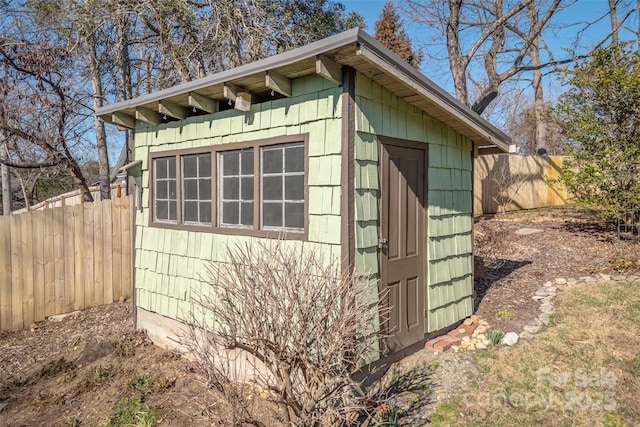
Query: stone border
x=550, y=289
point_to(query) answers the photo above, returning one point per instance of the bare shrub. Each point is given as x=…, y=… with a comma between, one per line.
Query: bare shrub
x=508, y=185
x=289, y=324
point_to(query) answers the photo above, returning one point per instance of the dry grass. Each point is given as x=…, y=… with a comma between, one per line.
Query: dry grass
x=584, y=370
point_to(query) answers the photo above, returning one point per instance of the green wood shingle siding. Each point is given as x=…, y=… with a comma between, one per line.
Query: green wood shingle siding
x=449, y=217
x=170, y=263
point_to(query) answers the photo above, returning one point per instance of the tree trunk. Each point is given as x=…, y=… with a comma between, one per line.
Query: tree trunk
x=124, y=69
x=457, y=62
x=534, y=54
x=101, y=136
x=613, y=15
x=6, y=178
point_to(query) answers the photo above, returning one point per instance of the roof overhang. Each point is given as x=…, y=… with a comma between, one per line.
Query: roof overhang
x=262, y=78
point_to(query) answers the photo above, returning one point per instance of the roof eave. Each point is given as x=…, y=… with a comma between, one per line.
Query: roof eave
x=364, y=45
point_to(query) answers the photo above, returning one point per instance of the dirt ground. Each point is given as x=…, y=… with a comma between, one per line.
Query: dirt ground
x=74, y=372
x=570, y=242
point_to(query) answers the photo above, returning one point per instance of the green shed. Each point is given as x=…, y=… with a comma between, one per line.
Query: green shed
x=339, y=144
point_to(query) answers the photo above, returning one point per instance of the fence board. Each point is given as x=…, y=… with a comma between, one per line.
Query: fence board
x=89, y=296
x=57, y=260
x=26, y=243
x=98, y=248
x=38, y=266
x=49, y=265
x=69, y=262
x=16, y=273
x=126, y=221
x=6, y=321
x=496, y=178
x=117, y=248
x=107, y=266
x=58, y=253
x=78, y=256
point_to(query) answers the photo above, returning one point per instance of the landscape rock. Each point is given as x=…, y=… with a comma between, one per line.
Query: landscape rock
x=544, y=318
x=532, y=329
x=510, y=339
x=61, y=317
x=528, y=231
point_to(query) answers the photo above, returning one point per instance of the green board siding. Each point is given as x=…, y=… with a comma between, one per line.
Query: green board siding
x=170, y=263
x=449, y=197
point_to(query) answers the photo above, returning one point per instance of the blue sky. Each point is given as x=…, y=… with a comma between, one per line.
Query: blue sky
x=568, y=19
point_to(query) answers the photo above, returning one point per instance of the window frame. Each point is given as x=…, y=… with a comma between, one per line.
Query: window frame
x=197, y=178
x=168, y=199
x=215, y=226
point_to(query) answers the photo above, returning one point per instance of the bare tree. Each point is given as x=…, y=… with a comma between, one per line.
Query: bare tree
x=298, y=325
x=486, y=41
x=35, y=106
x=538, y=92
x=613, y=16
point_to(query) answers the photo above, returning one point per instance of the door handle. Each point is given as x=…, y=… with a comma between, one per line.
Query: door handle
x=382, y=242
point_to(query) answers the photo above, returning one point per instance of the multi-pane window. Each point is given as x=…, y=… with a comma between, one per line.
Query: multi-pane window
x=165, y=189
x=196, y=189
x=235, y=188
x=254, y=187
x=283, y=187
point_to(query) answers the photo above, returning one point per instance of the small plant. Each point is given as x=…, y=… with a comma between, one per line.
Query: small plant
x=389, y=415
x=505, y=314
x=149, y=382
x=124, y=348
x=484, y=369
x=620, y=264
x=132, y=412
x=143, y=381
x=495, y=336
x=97, y=375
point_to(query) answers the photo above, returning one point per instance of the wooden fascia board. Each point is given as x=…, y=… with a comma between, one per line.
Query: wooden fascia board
x=442, y=102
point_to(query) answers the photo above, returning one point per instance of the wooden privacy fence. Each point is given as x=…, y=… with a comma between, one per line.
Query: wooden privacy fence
x=497, y=176
x=73, y=198
x=58, y=260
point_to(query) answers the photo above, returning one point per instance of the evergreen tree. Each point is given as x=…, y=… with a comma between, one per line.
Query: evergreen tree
x=601, y=114
x=389, y=30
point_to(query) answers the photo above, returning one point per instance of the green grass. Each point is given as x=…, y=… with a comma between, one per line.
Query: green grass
x=445, y=413
x=583, y=370
x=132, y=412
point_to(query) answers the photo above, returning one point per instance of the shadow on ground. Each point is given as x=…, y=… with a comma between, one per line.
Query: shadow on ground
x=488, y=274
x=408, y=391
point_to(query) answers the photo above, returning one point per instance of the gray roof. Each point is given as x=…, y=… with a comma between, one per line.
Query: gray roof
x=354, y=48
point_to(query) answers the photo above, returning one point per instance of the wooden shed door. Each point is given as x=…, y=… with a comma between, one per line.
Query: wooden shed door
x=402, y=263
